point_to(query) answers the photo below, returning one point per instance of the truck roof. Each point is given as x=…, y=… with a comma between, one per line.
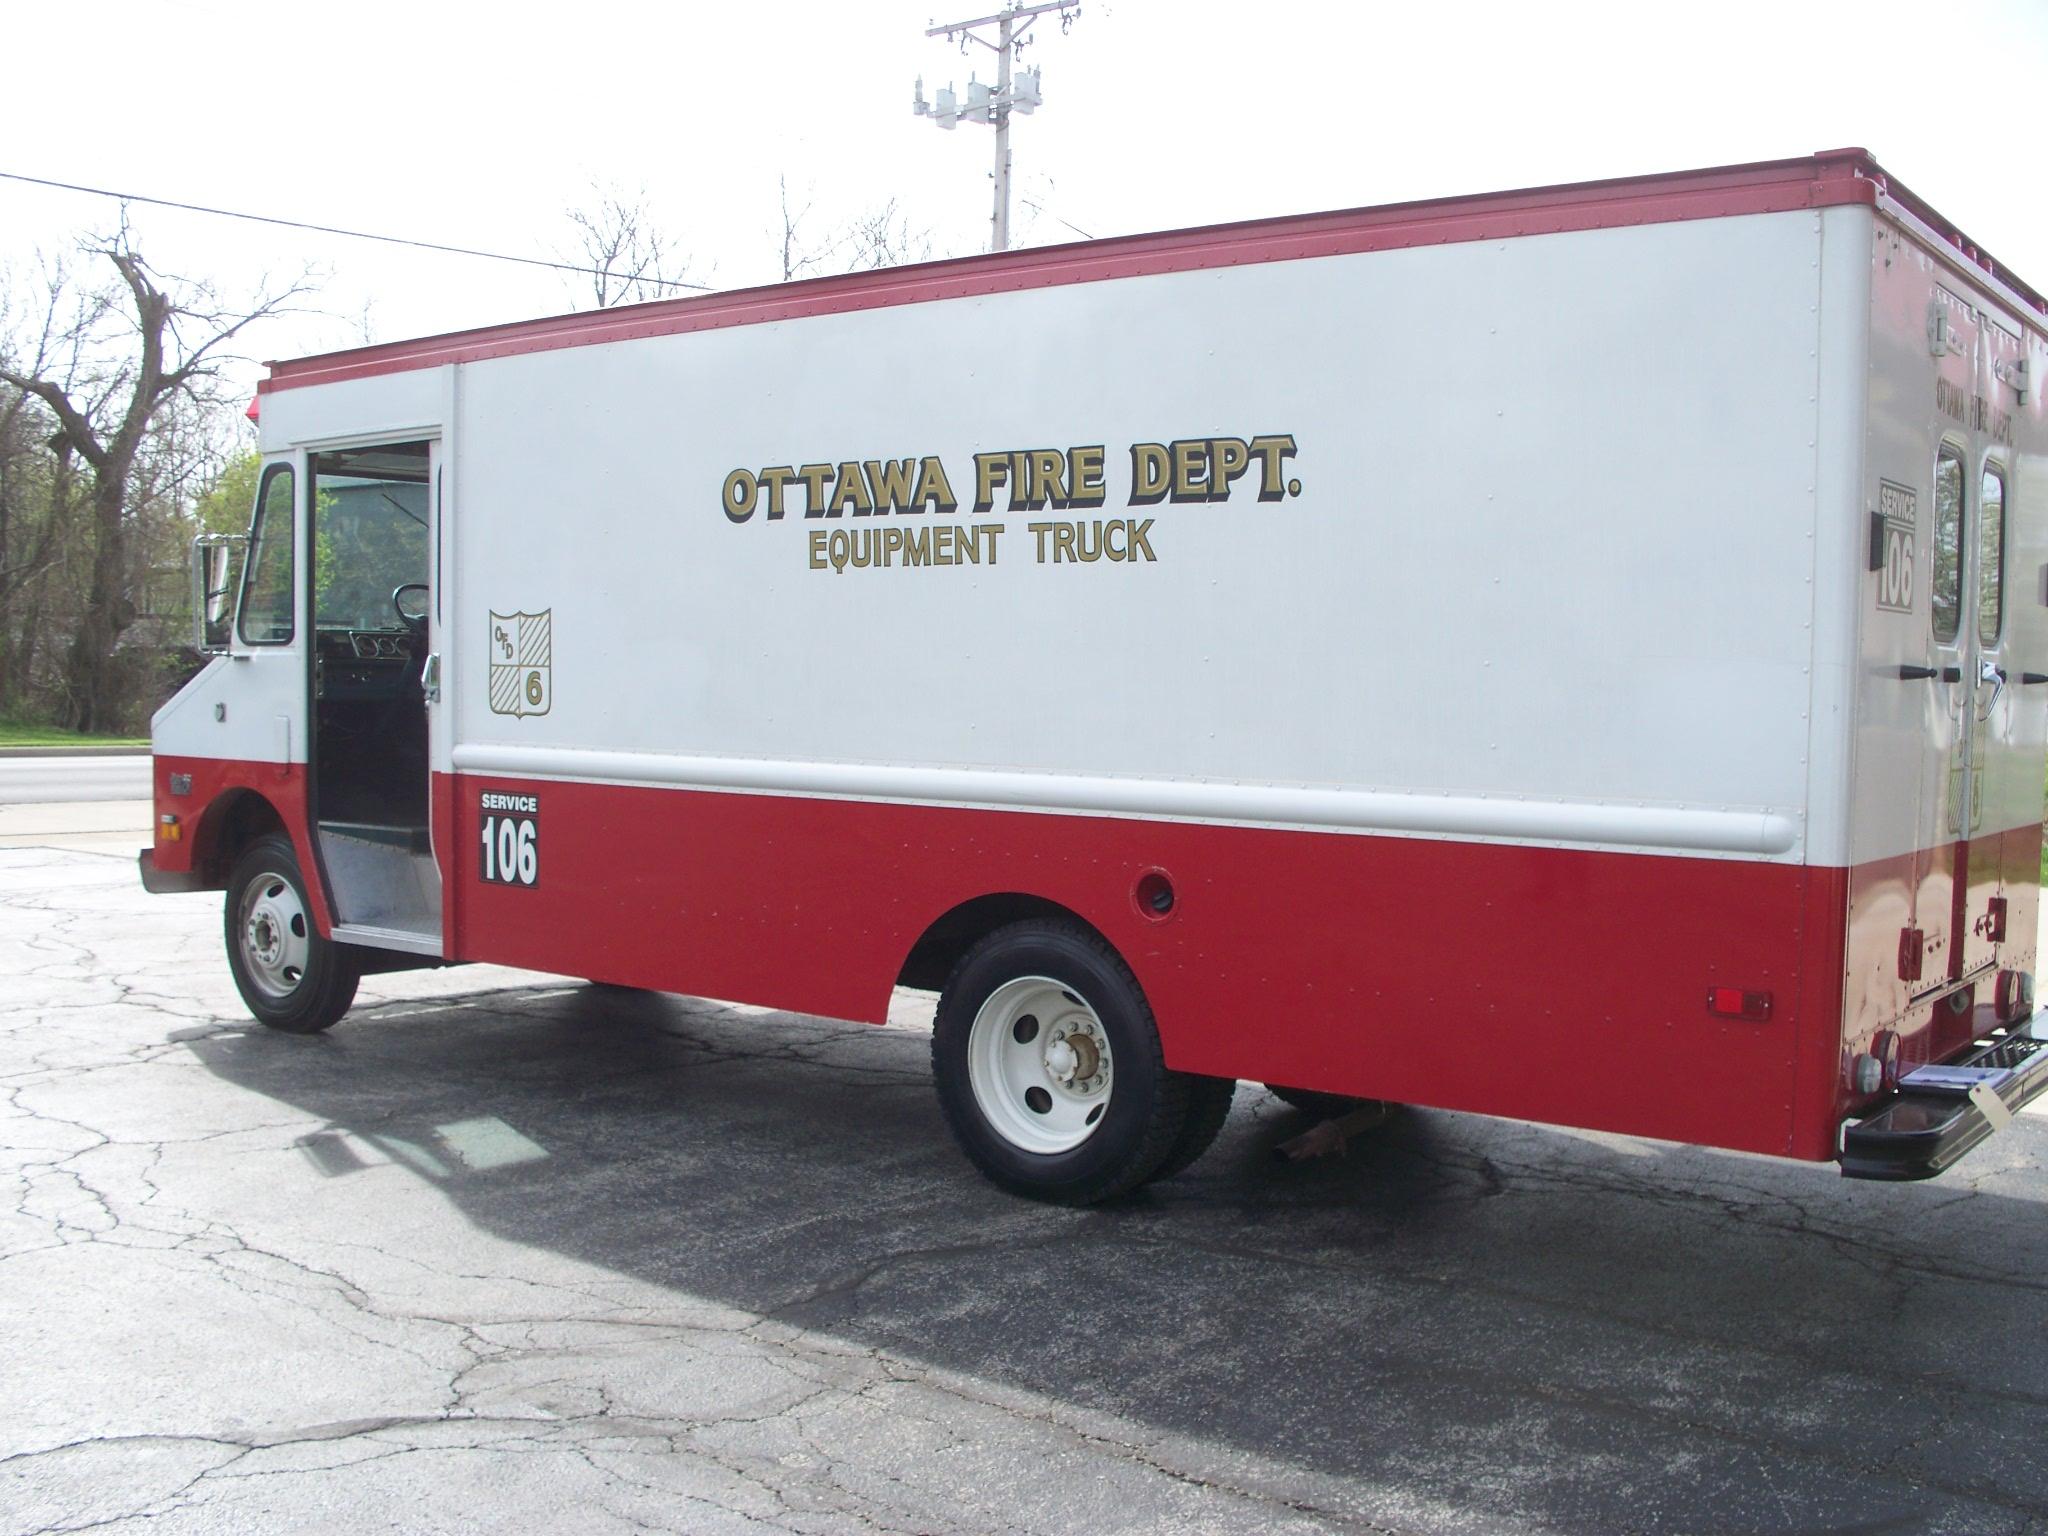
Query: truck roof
x=1829, y=178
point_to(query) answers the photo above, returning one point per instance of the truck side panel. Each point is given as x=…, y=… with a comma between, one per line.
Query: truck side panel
x=1543, y=538
x=1538, y=572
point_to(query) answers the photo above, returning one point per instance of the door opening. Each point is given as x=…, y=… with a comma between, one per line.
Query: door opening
x=371, y=568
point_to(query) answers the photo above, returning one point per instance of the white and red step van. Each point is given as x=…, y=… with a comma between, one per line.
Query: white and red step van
x=1577, y=654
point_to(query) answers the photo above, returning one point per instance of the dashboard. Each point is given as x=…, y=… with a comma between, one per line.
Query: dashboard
x=366, y=664
x=377, y=645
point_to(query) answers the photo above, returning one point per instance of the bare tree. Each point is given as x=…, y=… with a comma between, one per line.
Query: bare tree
x=881, y=237
x=102, y=365
x=884, y=237
x=797, y=260
x=629, y=257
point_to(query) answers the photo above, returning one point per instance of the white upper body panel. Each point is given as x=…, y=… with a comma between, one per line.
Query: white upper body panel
x=1550, y=569
x=1569, y=546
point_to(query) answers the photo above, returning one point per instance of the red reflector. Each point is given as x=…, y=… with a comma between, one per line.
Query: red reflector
x=1912, y=945
x=1735, y=1003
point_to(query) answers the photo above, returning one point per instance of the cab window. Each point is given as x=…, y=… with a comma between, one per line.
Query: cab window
x=266, y=609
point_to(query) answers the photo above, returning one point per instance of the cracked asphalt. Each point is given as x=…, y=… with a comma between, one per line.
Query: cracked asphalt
x=507, y=1251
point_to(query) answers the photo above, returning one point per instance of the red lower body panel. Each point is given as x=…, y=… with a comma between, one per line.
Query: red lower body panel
x=215, y=785
x=1537, y=982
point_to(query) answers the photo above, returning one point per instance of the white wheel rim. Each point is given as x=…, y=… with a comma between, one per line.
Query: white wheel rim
x=1039, y=1062
x=274, y=935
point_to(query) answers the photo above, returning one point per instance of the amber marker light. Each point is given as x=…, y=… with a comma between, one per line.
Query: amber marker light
x=168, y=830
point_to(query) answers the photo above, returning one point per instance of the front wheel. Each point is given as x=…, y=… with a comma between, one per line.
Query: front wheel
x=1049, y=1069
x=291, y=978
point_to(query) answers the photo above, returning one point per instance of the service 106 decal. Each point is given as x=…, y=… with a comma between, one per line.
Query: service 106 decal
x=1898, y=519
x=511, y=839
x=1193, y=470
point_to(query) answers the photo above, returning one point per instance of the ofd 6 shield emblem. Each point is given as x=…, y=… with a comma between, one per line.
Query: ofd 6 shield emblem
x=522, y=656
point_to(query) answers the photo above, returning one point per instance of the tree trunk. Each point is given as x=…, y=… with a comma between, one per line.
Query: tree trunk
x=21, y=682
x=88, y=672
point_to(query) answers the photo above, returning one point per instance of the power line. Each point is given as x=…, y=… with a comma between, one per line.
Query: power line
x=1041, y=208
x=352, y=234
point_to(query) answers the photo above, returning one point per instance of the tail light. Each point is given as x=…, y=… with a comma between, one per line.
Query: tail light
x=2015, y=996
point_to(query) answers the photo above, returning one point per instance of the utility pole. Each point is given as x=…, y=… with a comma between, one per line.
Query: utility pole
x=1012, y=93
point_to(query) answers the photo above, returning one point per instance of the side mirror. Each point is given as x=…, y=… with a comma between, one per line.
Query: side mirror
x=216, y=571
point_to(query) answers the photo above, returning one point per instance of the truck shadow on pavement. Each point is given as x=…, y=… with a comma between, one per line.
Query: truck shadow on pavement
x=1582, y=1331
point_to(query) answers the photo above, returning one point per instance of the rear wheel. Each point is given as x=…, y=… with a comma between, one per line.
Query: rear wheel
x=290, y=977
x=1208, y=1107
x=1049, y=1070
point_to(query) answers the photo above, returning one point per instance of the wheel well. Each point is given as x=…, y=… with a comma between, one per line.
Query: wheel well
x=939, y=949
x=234, y=821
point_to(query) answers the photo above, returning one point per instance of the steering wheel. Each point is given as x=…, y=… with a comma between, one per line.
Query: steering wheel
x=416, y=622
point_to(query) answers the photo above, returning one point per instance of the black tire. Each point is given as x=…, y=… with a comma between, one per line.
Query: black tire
x=1139, y=1123
x=1208, y=1107
x=290, y=978
x=1324, y=1106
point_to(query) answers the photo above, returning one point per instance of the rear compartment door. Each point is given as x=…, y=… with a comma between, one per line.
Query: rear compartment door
x=2004, y=772
x=1946, y=815
x=1948, y=804
x=1969, y=798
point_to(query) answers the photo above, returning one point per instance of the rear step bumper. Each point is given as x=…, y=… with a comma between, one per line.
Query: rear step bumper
x=1942, y=1112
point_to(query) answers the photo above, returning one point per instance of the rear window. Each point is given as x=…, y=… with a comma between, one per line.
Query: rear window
x=1948, y=544
x=1991, y=555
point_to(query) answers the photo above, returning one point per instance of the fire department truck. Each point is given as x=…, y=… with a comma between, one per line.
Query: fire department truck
x=1577, y=654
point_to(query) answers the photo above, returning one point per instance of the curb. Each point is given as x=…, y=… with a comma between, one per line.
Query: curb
x=74, y=751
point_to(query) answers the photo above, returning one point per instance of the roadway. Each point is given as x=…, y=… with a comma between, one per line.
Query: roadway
x=34, y=778
x=509, y=1251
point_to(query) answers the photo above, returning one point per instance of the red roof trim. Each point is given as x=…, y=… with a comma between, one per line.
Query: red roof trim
x=1819, y=181
x=1959, y=246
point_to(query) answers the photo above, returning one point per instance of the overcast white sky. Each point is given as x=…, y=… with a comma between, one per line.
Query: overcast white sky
x=478, y=124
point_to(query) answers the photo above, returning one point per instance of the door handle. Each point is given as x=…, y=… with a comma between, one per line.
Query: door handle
x=1991, y=672
x=430, y=678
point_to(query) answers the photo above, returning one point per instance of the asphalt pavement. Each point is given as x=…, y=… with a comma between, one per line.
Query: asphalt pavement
x=511, y=1252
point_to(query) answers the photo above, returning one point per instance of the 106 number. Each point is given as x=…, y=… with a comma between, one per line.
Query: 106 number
x=511, y=850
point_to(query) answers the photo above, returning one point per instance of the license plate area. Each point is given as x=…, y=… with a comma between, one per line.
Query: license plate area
x=1944, y=1110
